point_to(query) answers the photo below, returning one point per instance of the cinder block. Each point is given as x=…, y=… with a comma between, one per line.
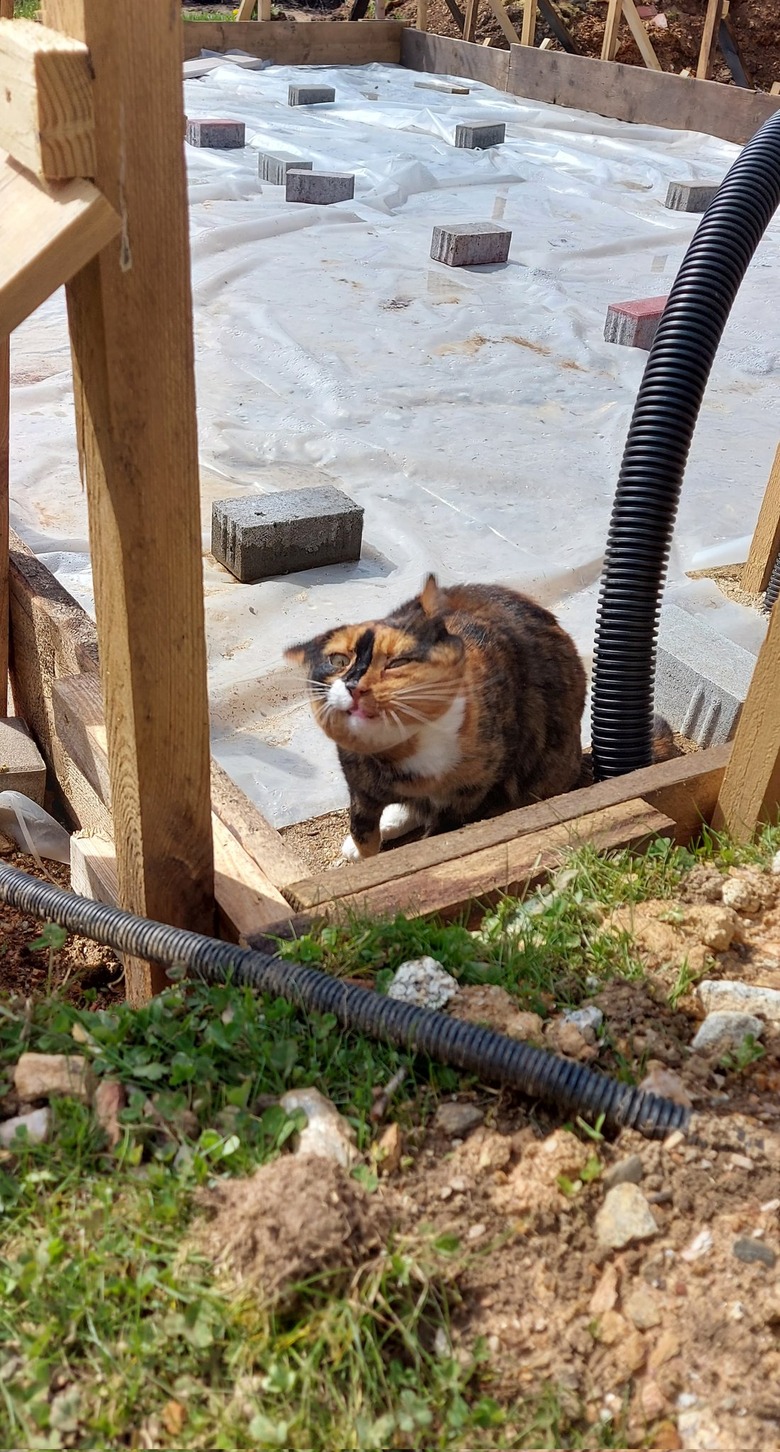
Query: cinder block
x=690, y=196
x=470, y=244
x=634, y=324
x=276, y=534
x=441, y=86
x=274, y=169
x=702, y=678
x=22, y=768
x=310, y=95
x=319, y=188
x=480, y=137
x=216, y=135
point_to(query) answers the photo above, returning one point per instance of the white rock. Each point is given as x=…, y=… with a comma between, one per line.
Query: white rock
x=698, y=1430
x=719, y=995
x=738, y=893
x=39, y=1076
x=585, y=1018
x=724, y=1031
x=699, y=1246
x=624, y=1217
x=456, y=1119
x=37, y=1124
x=424, y=982
x=326, y=1133
x=775, y=865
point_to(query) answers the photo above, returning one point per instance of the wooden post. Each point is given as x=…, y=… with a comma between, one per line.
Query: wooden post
x=422, y=14
x=130, y=314
x=528, y=32
x=470, y=21
x=765, y=545
x=5, y=410
x=6, y=9
x=750, y=792
x=611, y=30
x=709, y=37
x=246, y=9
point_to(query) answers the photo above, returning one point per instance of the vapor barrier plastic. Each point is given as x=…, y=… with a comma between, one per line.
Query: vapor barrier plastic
x=478, y=416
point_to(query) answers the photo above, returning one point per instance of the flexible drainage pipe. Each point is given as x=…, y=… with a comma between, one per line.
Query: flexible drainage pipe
x=569, y=1086
x=773, y=588
x=656, y=451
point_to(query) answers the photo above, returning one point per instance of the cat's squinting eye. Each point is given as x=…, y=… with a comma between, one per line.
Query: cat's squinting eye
x=338, y=660
x=399, y=660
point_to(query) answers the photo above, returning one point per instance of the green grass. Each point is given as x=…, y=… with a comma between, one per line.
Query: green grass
x=114, y=1334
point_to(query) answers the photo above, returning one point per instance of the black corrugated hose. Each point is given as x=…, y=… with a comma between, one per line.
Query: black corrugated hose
x=662, y=425
x=773, y=588
x=569, y=1086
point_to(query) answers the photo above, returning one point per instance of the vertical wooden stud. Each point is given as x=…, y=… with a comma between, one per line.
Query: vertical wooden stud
x=130, y=314
x=6, y=9
x=470, y=22
x=710, y=34
x=611, y=30
x=528, y=32
x=750, y=792
x=765, y=544
x=422, y=14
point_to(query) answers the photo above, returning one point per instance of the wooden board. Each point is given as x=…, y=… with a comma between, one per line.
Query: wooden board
x=684, y=790
x=287, y=43
x=709, y=38
x=48, y=230
x=438, y=55
x=130, y=316
x=247, y=899
x=641, y=36
x=630, y=93
x=46, y=118
x=500, y=12
x=528, y=32
x=765, y=544
x=750, y=793
x=5, y=401
x=51, y=636
x=451, y=887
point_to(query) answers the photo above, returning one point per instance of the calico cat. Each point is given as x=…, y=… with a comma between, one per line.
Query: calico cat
x=463, y=702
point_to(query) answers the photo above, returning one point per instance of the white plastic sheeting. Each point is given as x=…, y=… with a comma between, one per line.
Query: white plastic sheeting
x=479, y=417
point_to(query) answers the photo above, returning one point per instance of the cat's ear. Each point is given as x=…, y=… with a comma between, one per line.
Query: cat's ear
x=430, y=597
x=297, y=654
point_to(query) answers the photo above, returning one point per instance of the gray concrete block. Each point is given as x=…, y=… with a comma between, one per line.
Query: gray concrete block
x=277, y=534
x=480, y=137
x=443, y=86
x=274, y=169
x=22, y=768
x=470, y=244
x=310, y=95
x=702, y=678
x=634, y=324
x=690, y=196
x=319, y=188
x=217, y=135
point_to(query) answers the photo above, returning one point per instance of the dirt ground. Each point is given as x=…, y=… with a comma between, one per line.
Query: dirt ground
x=84, y=972
x=673, y=1332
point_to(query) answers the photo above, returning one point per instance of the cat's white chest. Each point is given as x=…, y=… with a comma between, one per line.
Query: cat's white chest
x=437, y=749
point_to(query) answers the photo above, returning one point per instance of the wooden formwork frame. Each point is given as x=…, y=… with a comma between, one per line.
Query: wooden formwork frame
x=93, y=206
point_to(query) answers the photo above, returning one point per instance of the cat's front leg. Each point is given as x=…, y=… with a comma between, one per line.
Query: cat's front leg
x=364, y=838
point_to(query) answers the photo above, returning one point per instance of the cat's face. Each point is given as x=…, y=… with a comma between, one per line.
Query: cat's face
x=374, y=685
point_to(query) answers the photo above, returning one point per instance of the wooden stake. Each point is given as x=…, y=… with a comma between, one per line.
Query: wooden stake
x=470, y=22
x=528, y=32
x=422, y=14
x=765, y=544
x=246, y=9
x=5, y=408
x=6, y=9
x=499, y=10
x=751, y=786
x=709, y=37
x=611, y=30
x=130, y=315
x=641, y=36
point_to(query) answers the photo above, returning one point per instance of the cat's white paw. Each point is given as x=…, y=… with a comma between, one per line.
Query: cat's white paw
x=397, y=820
x=350, y=849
